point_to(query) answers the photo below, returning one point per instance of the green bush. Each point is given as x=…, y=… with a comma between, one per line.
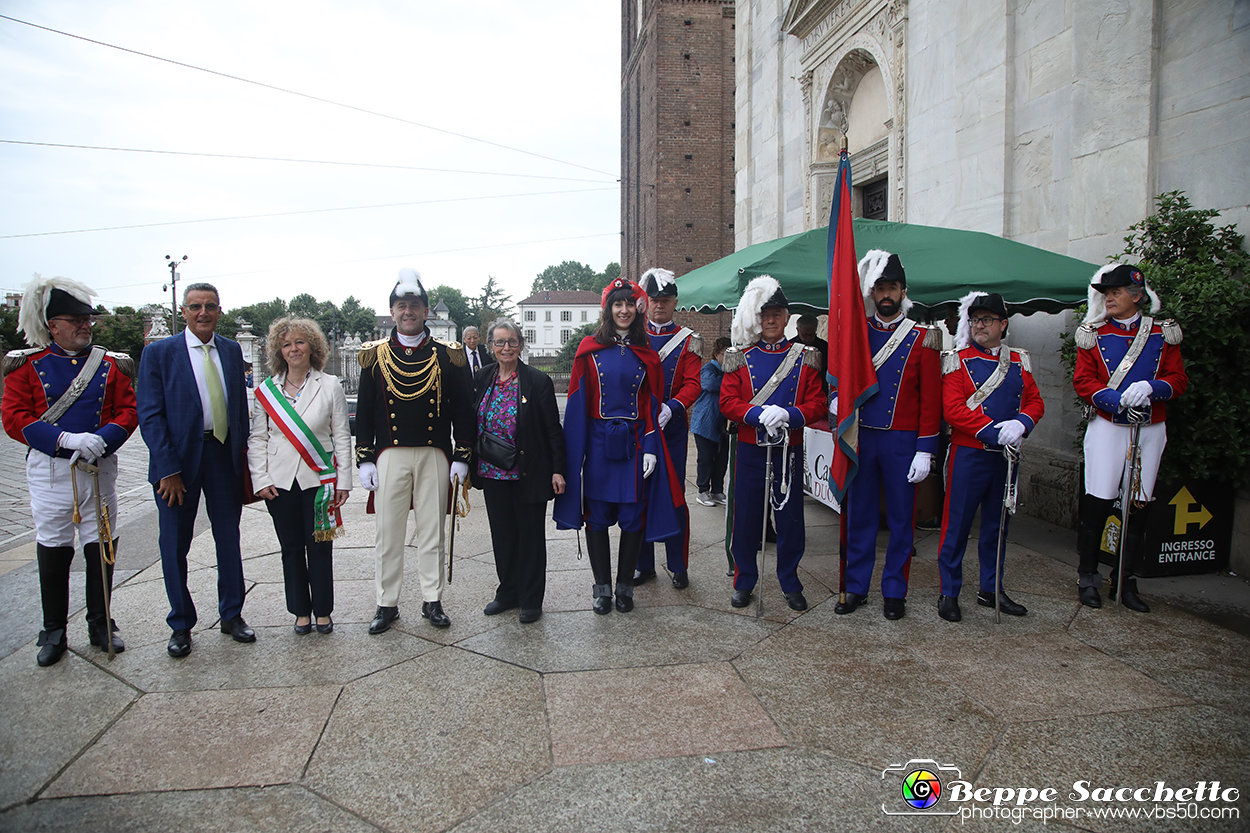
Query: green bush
x=1199, y=273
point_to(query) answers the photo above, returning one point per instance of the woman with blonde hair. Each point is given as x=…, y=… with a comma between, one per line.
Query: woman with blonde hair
x=299, y=456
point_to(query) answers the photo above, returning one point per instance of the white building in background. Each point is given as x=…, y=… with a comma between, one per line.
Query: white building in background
x=1051, y=123
x=549, y=319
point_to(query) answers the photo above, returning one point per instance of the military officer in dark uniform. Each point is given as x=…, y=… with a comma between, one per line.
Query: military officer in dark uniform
x=771, y=389
x=415, y=429
x=681, y=355
x=69, y=401
x=1124, y=360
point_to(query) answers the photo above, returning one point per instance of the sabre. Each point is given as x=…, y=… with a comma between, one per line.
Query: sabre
x=1136, y=417
x=1009, y=507
x=451, y=544
x=104, y=533
x=771, y=440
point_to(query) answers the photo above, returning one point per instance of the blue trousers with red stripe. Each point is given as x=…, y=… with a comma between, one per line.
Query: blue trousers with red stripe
x=975, y=478
x=676, y=548
x=748, y=515
x=884, y=460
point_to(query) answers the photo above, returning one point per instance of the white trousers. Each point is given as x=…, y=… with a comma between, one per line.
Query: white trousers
x=52, y=498
x=1106, y=458
x=418, y=477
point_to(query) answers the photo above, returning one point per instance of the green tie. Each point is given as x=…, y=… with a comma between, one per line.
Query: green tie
x=216, y=395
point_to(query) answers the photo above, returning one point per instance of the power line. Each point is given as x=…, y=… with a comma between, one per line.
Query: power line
x=308, y=96
x=305, y=211
x=285, y=159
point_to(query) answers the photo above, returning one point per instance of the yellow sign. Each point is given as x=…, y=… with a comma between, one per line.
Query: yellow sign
x=1184, y=517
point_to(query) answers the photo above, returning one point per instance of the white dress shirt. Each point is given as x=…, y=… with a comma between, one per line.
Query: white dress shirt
x=195, y=349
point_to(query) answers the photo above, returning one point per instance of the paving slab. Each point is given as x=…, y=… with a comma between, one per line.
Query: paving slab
x=239, y=810
x=203, y=740
x=867, y=702
x=409, y=752
x=48, y=715
x=140, y=605
x=676, y=710
x=585, y=641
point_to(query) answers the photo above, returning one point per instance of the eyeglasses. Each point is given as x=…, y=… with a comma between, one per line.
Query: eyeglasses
x=511, y=342
x=76, y=321
x=209, y=307
x=984, y=320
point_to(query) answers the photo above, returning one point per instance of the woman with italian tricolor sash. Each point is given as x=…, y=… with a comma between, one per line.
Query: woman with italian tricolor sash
x=299, y=455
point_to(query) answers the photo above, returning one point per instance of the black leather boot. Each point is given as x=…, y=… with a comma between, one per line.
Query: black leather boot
x=631, y=545
x=599, y=553
x=54, y=589
x=96, y=631
x=1092, y=516
x=1134, y=541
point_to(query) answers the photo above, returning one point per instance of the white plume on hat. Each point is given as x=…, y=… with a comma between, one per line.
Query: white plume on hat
x=1098, y=305
x=409, y=282
x=871, y=266
x=963, y=334
x=745, y=329
x=663, y=277
x=32, y=319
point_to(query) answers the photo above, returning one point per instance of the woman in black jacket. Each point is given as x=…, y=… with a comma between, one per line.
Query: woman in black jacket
x=519, y=465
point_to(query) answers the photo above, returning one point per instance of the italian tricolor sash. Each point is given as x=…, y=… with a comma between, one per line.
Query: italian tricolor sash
x=328, y=522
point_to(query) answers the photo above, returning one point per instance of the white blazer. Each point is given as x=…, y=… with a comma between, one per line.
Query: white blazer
x=272, y=459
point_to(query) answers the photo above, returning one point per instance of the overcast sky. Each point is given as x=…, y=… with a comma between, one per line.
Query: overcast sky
x=541, y=77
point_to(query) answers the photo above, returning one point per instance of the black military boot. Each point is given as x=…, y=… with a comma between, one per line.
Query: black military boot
x=96, y=631
x=54, y=589
x=631, y=545
x=1092, y=516
x=1134, y=541
x=599, y=552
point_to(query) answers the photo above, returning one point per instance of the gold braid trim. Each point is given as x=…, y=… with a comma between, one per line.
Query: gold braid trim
x=409, y=384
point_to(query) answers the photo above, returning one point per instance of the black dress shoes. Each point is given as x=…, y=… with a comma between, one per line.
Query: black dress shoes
x=530, y=615
x=328, y=627
x=52, y=646
x=853, y=600
x=796, y=600
x=239, y=630
x=179, y=643
x=602, y=605
x=494, y=607
x=740, y=598
x=948, y=608
x=681, y=580
x=624, y=603
x=382, y=619
x=303, y=629
x=894, y=608
x=434, y=612
x=1129, y=597
x=985, y=598
x=643, y=576
x=95, y=633
x=1090, y=598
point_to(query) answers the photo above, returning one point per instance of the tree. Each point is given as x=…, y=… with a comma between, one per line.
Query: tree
x=121, y=331
x=564, y=359
x=260, y=316
x=610, y=273
x=357, y=320
x=572, y=276
x=491, y=304
x=459, y=309
x=10, y=339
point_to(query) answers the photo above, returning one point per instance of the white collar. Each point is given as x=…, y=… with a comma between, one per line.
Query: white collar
x=410, y=341
x=1127, y=323
x=193, y=341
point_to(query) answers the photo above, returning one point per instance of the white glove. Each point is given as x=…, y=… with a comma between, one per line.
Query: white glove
x=774, y=416
x=1010, y=432
x=369, y=477
x=666, y=413
x=1136, y=395
x=648, y=465
x=459, y=471
x=921, y=465
x=833, y=404
x=88, y=446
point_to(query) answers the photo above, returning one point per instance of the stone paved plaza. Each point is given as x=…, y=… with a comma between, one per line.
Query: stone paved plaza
x=683, y=715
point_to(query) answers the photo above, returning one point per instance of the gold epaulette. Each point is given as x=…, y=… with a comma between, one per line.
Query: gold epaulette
x=1171, y=331
x=811, y=358
x=1086, y=336
x=733, y=359
x=368, y=355
x=933, y=338
x=950, y=361
x=16, y=358
x=1025, y=362
x=455, y=352
x=695, y=344
x=124, y=363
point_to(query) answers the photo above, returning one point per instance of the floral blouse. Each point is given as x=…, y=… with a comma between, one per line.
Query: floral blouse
x=497, y=414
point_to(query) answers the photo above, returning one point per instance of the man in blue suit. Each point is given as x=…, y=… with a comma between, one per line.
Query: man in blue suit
x=193, y=417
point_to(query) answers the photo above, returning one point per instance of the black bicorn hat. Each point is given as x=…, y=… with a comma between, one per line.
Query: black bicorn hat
x=61, y=302
x=777, y=299
x=1122, y=275
x=991, y=301
x=658, y=283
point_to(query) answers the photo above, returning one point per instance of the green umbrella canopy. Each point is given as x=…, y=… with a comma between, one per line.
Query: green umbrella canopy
x=942, y=266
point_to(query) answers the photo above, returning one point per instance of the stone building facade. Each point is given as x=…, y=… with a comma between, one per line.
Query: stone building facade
x=1051, y=123
x=677, y=140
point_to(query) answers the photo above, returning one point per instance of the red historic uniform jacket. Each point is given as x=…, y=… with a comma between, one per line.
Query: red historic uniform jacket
x=1016, y=397
x=909, y=393
x=747, y=370
x=682, y=366
x=1099, y=351
x=37, y=378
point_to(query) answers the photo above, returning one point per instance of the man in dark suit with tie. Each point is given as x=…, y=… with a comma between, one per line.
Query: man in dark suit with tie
x=193, y=417
x=476, y=353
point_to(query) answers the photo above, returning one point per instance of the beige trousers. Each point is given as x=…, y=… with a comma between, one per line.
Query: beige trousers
x=420, y=477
